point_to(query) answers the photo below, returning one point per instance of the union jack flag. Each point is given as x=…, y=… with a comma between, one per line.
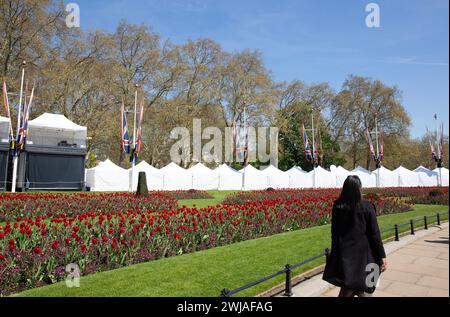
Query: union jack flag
x=381, y=154
x=23, y=131
x=138, y=145
x=6, y=104
x=124, y=135
x=306, y=142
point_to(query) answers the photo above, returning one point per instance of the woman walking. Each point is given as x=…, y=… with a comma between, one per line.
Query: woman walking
x=357, y=255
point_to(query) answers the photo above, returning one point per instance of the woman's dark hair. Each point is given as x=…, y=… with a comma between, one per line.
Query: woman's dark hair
x=351, y=193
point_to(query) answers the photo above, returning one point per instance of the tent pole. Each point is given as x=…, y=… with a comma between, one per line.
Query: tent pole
x=16, y=157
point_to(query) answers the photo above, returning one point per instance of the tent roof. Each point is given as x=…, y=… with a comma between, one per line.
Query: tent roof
x=4, y=119
x=273, y=170
x=226, y=169
x=320, y=169
x=384, y=170
x=55, y=121
x=342, y=170
x=296, y=170
x=402, y=169
x=145, y=166
x=444, y=170
x=361, y=169
x=173, y=167
x=108, y=164
x=422, y=169
x=199, y=167
x=250, y=169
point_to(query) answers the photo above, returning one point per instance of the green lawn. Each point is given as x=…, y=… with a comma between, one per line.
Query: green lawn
x=205, y=273
x=219, y=196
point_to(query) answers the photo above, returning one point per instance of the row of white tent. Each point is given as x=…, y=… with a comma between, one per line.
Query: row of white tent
x=107, y=176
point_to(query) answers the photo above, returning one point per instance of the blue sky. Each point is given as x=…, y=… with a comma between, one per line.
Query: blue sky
x=314, y=40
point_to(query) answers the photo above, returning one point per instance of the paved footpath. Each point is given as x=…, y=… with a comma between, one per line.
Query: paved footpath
x=418, y=266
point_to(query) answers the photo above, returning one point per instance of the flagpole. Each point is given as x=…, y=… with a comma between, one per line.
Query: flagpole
x=378, y=152
x=438, y=153
x=313, y=150
x=243, y=170
x=16, y=156
x=133, y=162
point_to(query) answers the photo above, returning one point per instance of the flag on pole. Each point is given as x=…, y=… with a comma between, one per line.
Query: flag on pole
x=138, y=145
x=430, y=140
x=26, y=117
x=246, y=139
x=23, y=131
x=306, y=143
x=234, y=132
x=371, y=147
x=381, y=154
x=8, y=115
x=125, y=137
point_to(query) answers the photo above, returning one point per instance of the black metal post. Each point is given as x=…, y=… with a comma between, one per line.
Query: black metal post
x=396, y=233
x=438, y=216
x=225, y=293
x=425, y=222
x=412, y=226
x=288, y=287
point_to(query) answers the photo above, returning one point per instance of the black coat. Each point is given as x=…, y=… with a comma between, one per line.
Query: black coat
x=356, y=242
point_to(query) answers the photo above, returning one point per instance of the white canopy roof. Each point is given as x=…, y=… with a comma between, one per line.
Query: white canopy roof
x=368, y=179
x=203, y=178
x=229, y=178
x=254, y=179
x=154, y=176
x=55, y=121
x=324, y=178
x=4, y=129
x=388, y=178
x=176, y=177
x=50, y=129
x=406, y=177
x=276, y=178
x=341, y=175
x=298, y=178
x=107, y=176
x=445, y=175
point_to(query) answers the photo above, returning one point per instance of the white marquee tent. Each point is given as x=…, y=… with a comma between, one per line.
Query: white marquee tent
x=176, y=177
x=406, y=177
x=427, y=177
x=229, y=178
x=323, y=178
x=254, y=179
x=368, y=179
x=4, y=129
x=341, y=174
x=51, y=129
x=444, y=172
x=107, y=176
x=203, y=178
x=388, y=178
x=298, y=178
x=276, y=178
x=154, y=176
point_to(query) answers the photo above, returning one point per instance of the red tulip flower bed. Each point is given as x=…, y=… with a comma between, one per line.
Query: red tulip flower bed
x=186, y=194
x=107, y=231
x=30, y=205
